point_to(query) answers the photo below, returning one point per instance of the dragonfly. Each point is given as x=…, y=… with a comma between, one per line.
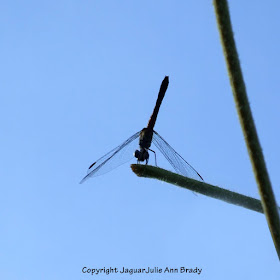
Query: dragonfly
x=146, y=136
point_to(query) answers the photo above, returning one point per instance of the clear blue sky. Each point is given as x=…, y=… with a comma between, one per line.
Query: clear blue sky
x=77, y=79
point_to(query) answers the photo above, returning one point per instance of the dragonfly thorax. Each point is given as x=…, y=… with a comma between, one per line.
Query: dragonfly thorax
x=145, y=138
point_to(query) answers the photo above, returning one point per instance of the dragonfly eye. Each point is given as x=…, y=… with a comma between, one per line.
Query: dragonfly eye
x=145, y=155
x=137, y=154
x=141, y=155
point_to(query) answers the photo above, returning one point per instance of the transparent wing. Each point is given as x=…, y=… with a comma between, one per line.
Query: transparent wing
x=114, y=158
x=177, y=162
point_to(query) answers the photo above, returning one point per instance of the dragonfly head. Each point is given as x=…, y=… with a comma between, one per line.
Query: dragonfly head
x=142, y=155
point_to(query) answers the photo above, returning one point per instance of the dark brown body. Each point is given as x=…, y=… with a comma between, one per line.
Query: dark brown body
x=146, y=134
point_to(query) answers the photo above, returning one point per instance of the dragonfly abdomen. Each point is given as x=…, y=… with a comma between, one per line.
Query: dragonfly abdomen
x=163, y=88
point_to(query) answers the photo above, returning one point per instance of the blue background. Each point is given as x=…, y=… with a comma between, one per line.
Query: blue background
x=80, y=77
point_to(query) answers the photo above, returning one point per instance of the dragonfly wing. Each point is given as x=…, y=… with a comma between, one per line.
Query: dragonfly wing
x=114, y=158
x=177, y=162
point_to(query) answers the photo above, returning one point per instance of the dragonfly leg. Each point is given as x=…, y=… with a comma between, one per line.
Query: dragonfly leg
x=155, y=156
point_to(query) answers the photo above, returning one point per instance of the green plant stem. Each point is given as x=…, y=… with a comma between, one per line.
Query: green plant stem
x=246, y=120
x=153, y=172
